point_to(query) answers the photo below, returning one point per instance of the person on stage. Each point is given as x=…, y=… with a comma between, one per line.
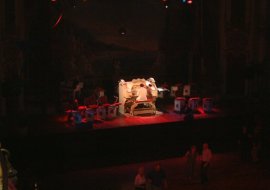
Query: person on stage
x=142, y=93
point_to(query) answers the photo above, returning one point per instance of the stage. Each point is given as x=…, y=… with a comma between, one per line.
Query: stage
x=59, y=124
x=168, y=116
x=124, y=139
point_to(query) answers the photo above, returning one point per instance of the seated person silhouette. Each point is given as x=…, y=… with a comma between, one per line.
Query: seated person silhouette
x=142, y=95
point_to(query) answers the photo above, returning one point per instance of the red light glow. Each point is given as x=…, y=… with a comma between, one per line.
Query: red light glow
x=58, y=20
x=189, y=1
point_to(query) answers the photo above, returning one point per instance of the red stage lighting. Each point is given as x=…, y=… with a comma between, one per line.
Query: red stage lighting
x=58, y=20
x=189, y=1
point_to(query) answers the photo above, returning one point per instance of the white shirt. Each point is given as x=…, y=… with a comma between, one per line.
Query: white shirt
x=206, y=155
x=142, y=94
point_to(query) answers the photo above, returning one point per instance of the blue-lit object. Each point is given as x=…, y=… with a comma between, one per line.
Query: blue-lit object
x=184, y=1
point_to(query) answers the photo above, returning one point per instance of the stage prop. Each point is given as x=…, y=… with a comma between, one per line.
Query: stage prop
x=179, y=104
x=186, y=90
x=193, y=103
x=207, y=104
x=113, y=111
x=174, y=90
x=101, y=112
x=162, y=92
x=77, y=90
x=87, y=115
x=77, y=118
x=128, y=93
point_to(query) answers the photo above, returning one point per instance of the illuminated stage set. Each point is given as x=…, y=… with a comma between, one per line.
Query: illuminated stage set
x=141, y=102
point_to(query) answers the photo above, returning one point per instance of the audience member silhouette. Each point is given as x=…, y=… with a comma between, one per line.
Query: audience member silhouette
x=157, y=178
x=140, y=180
x=244, y=145
x=191, y=158
x=205, y=162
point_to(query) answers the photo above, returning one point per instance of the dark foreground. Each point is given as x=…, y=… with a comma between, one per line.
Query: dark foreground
x=84, y=159
x=226, y=172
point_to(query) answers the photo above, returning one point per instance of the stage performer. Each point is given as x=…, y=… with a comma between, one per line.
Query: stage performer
x=142, y=93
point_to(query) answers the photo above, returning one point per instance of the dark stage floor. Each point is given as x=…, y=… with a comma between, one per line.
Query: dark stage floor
x=59, y=124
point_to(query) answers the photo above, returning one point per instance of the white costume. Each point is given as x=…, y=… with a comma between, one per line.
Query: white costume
x=142, y=94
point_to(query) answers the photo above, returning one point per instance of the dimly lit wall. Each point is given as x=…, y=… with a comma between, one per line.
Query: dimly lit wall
x=244, y=42
x=222, y=46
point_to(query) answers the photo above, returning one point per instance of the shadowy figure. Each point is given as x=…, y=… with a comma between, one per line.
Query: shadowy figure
x=140, y=180
x=191, y=158
x=205, y=162
x=157, y=178
x=141, y=93
x=256, y=143
x=8, y=174
x=188, y=114
x=244, y=145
